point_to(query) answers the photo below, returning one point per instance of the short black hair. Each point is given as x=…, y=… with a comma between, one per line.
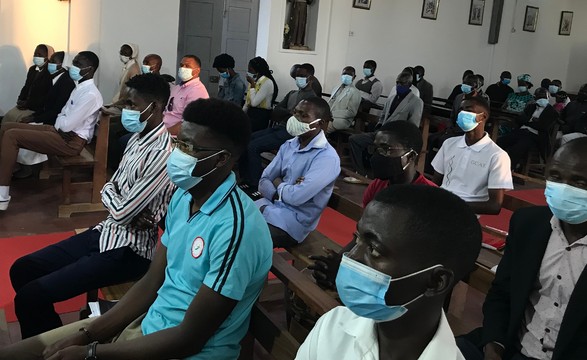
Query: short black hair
x=223, y=61
x=350, y=68
x=308, y=67
x=371, y=63
x=195, y=58
x=473, y=80
x=261, y=66
x=468, y=72
x=556, y=81
x=545, y=83
x=321, y=107
x=44, y=47
x=406, y=133
x=223, y=118
x=480, y=102
x=91, y=57
x=154, y=56
x=431, y=226
x=419, y=69
x=506, y=75
x=151, y=87
x=59, y=56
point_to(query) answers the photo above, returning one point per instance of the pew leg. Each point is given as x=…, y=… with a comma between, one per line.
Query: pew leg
x=66, y=186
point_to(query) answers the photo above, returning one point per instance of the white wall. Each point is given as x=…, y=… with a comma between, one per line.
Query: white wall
x=394, y=34
x=97, y=25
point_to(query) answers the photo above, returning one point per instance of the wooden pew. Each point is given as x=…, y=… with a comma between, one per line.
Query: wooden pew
x=96, y=159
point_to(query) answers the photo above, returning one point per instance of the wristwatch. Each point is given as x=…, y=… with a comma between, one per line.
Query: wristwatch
x=92, y=351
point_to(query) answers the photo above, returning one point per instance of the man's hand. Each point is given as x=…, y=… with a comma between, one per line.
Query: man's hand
x=116, y=188
x=70, y=353
x=299, y=180
x=144, y=220
x=493, y=351
x=277, y=181
x=27, y=119
x=78, y=339
x=325, y=268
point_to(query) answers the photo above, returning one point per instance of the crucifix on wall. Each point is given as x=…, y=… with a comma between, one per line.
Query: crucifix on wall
x=295, y=29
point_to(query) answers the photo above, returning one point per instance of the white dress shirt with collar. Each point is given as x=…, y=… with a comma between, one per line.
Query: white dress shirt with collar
x=80, y=113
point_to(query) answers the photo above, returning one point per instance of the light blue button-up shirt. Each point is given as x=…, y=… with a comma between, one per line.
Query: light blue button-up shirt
x=299, y=205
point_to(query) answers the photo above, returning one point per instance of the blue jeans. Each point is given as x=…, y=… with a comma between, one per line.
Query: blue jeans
x=250, y=163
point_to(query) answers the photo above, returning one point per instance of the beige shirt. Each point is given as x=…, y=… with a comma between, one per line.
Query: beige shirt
x=561, y=267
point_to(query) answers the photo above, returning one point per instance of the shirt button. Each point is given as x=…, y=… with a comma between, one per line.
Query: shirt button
x=556, y=304
x=544, y=350
x=559, y=277
x=542, y=341
x=568, y=248
x=547, y=330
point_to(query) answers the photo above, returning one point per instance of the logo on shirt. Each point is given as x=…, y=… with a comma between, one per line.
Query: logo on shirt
x=197, y=247
x=478, y=163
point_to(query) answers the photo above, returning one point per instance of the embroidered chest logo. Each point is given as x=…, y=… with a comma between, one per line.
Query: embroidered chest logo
x=197, y=247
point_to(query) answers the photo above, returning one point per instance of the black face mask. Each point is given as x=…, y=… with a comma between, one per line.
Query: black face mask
x=389, y=168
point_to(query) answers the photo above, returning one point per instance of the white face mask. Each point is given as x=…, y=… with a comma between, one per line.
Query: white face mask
x=124, y=59
x=184, y=74
x=296, y=128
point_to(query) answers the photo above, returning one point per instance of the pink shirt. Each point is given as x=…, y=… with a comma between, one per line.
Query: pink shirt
x=181, y=96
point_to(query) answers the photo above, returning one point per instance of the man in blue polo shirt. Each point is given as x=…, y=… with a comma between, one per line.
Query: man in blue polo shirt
x=211, y=266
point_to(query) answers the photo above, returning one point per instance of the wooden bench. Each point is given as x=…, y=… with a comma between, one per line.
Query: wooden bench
x=96, y=159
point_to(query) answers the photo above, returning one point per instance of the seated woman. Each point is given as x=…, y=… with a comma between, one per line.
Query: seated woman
x=536, y=125
x=516, y=102
x=261, y=93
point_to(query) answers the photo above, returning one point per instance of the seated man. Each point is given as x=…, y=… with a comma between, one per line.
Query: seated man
x=130, y=67
x=344, y=102
x=516, y=102
x=118, y=249
x=472, y=166
x=73, y=128
x=297, y=184
x=314, y=82
x=410, y=253
x=535, y=308
x=457, y=89
x=426, y=89
x=370, y=87
x=537, y=123
x=574, y=117
x=215, y=254
x=499, y=92
x=470, y=88
x=404, y=105
x=233, y=86
x=34, y=92
x=394, y=159
x=152, y=64
x=188, y=89
x=250, y=166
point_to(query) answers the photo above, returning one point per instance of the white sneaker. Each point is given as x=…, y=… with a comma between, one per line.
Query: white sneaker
x=4, y=204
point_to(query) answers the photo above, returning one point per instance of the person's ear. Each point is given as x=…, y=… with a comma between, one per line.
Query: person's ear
x=223, y=158
x=440, y=282
x=482, y=117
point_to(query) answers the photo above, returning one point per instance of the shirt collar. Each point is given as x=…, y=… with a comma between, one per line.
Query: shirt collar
x=219, y=195
x=557, y=229
x=89, y=82
x=364, y=332
x=318, y=142
x=442, y=345
x=190, y=82
x=478, y=146
x=153, y=135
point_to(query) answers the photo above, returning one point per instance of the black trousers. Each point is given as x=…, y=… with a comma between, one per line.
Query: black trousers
x=517, y=144
x=65, y=270
x=281, y=239
x=471, y=352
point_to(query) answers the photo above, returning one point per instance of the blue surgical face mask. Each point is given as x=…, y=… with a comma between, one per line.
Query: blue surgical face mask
x=224, y=75
x=362, y=289
x=522, y=89
x=466, y=89
x=52, y=68
x=367, y=72
x=181, y=166
x=145, y=69
x=553, y=89
x=467, y=121
x=74, y=73
x=346, y=79
x=542, y=102
x=506, y=81
x=301, y=82
x=567, y=203
x=418, y=77
x=38, y=61
x=131, y=120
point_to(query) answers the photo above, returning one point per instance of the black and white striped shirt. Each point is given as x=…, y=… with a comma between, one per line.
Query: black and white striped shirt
x=140, y=182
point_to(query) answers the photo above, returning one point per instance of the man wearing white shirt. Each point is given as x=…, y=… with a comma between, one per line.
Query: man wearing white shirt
x=472, y=166
x=73, y=128
x=393, y=283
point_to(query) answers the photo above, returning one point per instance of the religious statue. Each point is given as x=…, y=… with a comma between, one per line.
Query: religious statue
x=296, y=29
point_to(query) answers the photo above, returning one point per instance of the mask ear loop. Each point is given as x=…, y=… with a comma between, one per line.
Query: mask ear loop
x=210, y=156
x=412, y=151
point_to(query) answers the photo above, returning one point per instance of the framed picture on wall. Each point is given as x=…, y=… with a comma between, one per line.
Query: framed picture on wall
x=430, y=9
x=530, y=18
x=362, y=4
x=566, y=23
x=476, y=12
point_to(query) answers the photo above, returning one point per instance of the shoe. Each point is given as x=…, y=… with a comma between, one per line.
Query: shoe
x=4, y=204
x=24, y=172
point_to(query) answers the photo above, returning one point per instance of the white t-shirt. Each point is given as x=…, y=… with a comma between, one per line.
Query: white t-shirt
x=469, y=171
x=341, y=335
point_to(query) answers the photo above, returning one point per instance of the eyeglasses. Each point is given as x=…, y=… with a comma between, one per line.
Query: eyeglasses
x=189, y=148
x=386, y=151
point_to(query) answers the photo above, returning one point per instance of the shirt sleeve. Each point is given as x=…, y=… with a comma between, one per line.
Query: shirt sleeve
x=438, y=161
x=265, y=91
x=78, y=113
x=352, y=106
x=124, y=208
x=369, y=194
x=376, y=91
x=321, y=173
x=500, y=174
x=416, y=115
x=271, y=172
